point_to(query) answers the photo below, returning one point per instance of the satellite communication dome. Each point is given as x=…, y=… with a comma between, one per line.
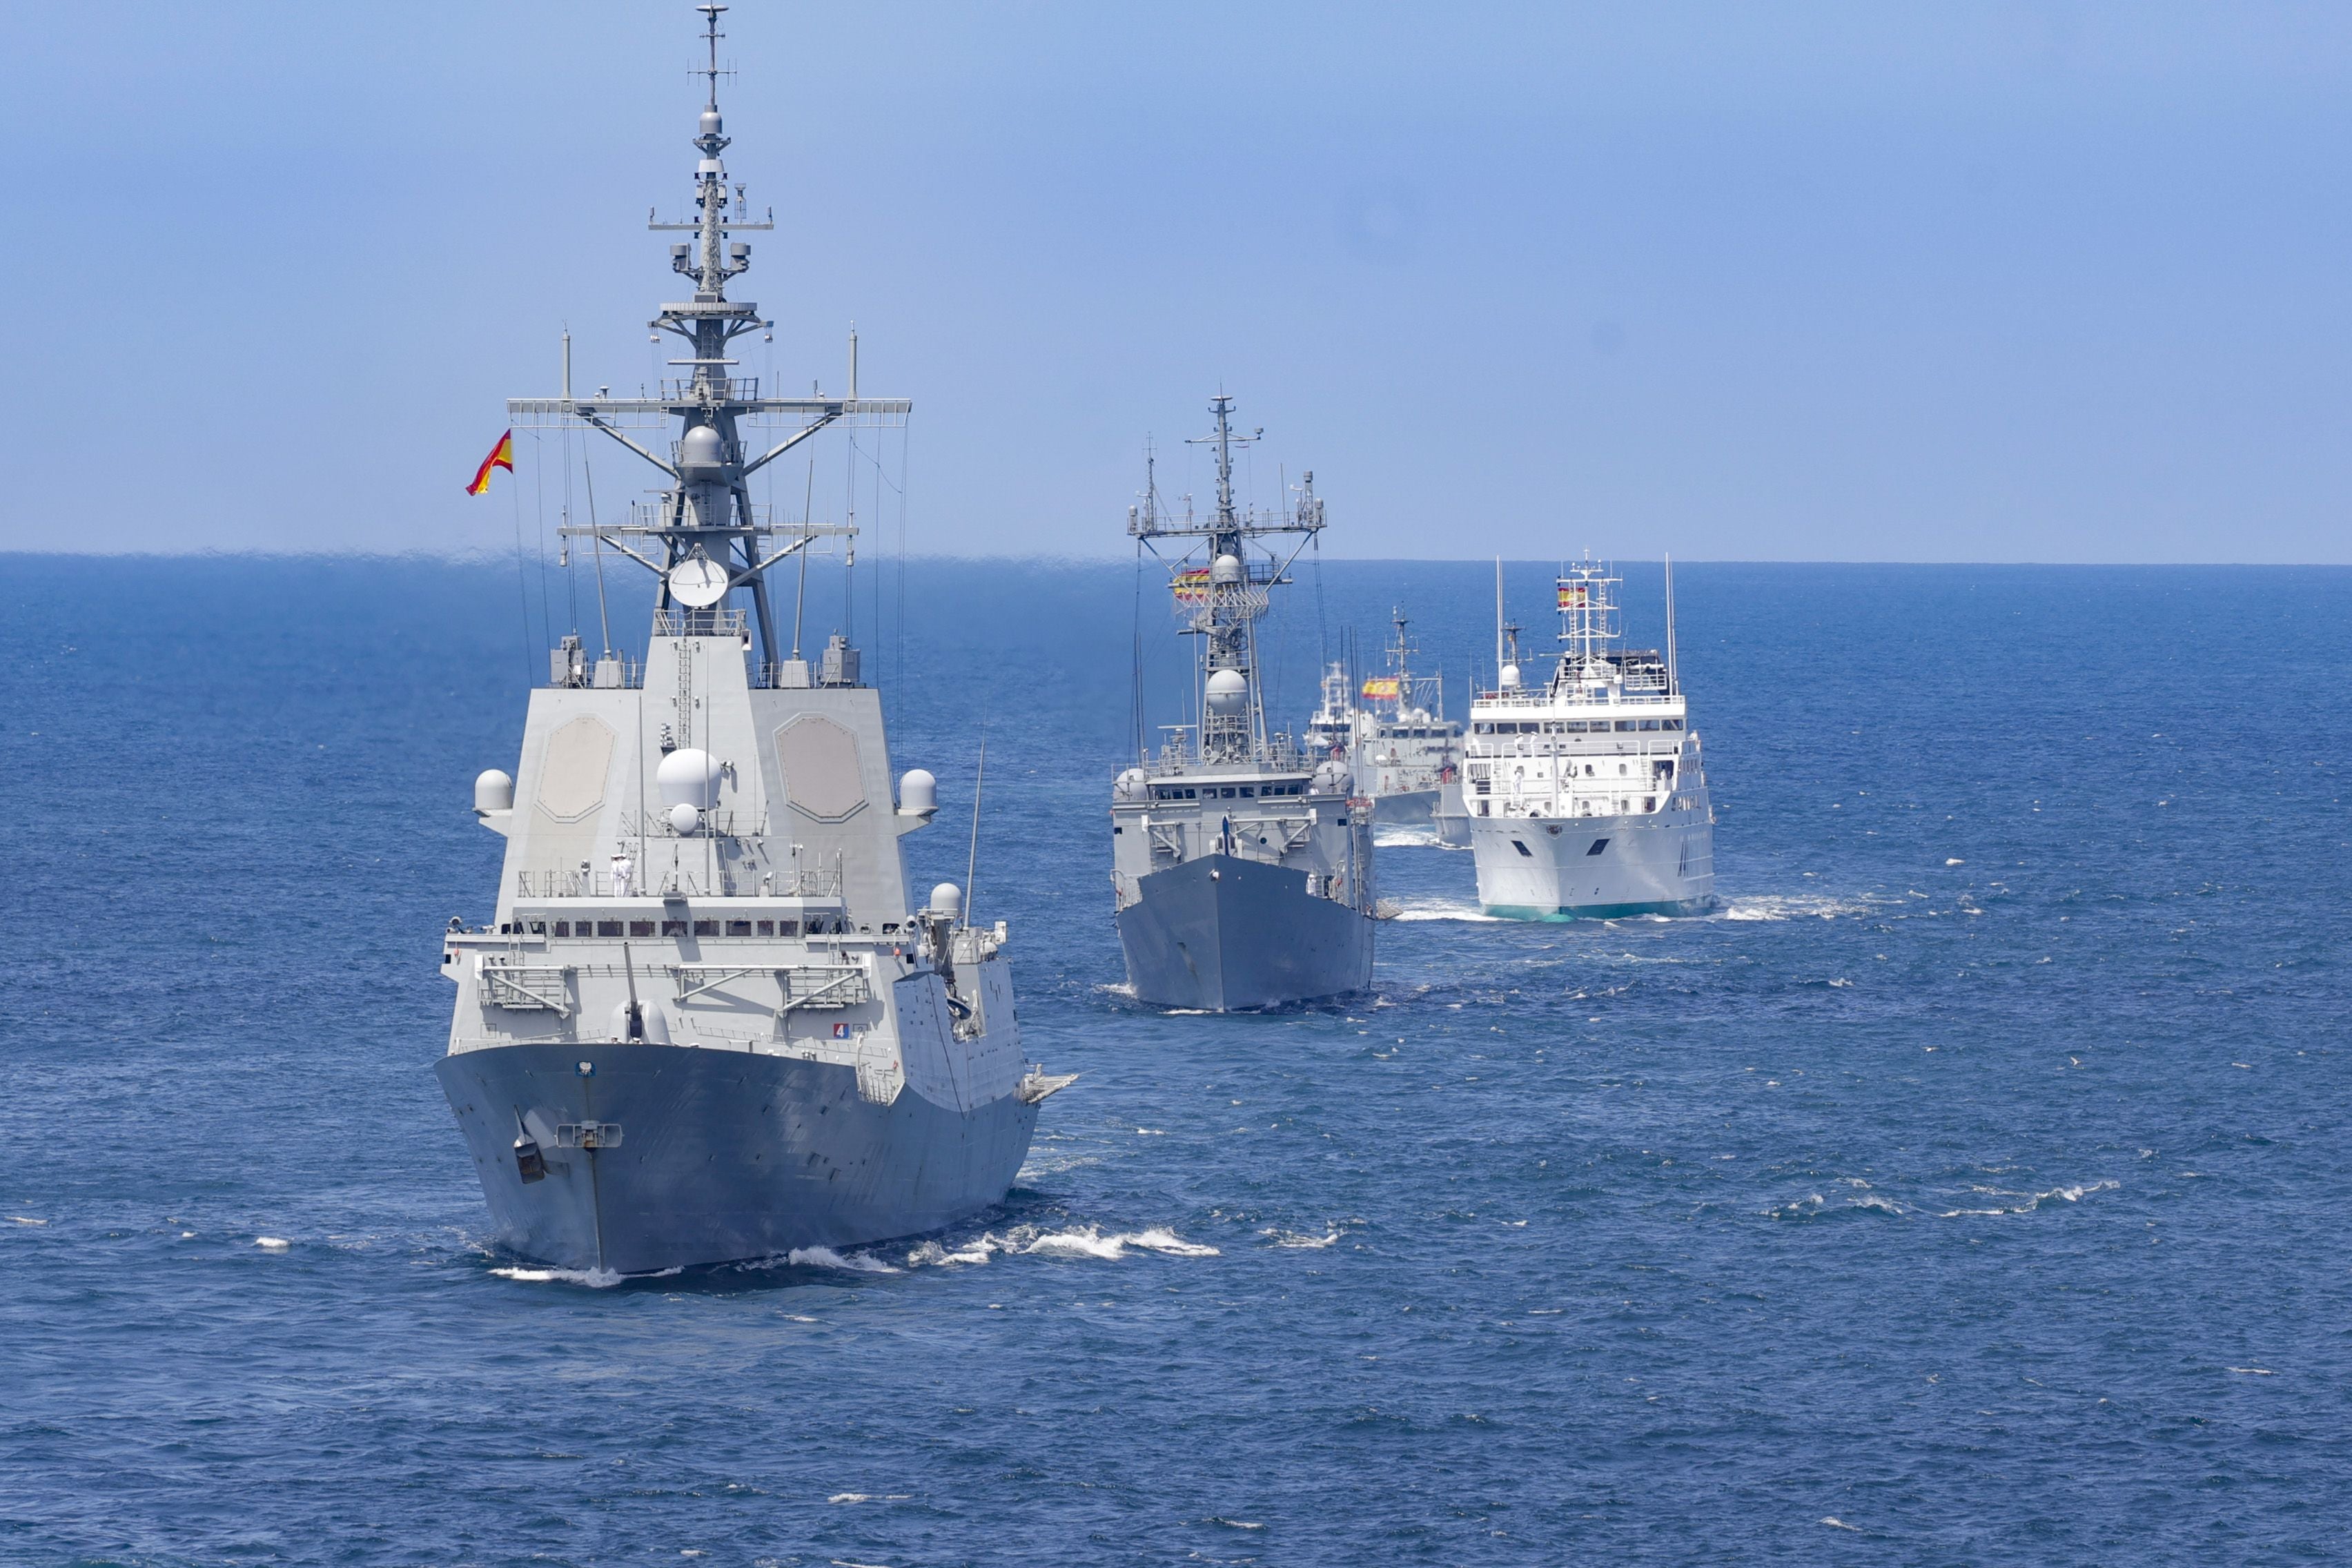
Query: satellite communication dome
x=684, y=820
x=1228, y=690
x=1333, y=778
x=1510, y=677
x=493, y=791
x=1132, y=785
x=688, y=777
x=700, y=449
x=1226, y=569
x=710, y=122
x=947, y=901
x=919, y=792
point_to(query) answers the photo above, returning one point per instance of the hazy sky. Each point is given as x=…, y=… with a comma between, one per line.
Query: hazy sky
x=1986, y=282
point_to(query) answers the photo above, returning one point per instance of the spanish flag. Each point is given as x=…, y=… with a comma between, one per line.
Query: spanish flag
x=501, y=457
x=1575, y=596
x=1381, y=686
x=1191, y=585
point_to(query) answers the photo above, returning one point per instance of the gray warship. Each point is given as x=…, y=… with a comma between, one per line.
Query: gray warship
x=1242, y=863
x=1405, y=753
x=705, y=1022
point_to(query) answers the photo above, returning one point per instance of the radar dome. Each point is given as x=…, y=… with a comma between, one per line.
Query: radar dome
x=1226, y=569
x=1132, y=785
x=493, y=791
x=700, y=449
x=1333, y=778
x=947, y=901
x=710, y=122
x=918, y=793
x=1228, y=688
x=688, y=777
x=1510, y=677
x=684, y=820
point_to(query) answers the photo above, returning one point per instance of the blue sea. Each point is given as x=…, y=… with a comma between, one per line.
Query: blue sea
x=1969, y=1189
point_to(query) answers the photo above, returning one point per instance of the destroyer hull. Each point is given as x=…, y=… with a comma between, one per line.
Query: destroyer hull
x=1222, y=935
x=1539, y=868
x=720, y=1155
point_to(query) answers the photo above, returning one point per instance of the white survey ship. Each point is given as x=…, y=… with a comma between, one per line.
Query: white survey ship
x=1587, y=795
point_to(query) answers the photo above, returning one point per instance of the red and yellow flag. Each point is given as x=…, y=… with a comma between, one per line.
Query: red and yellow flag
x=1575, y=596
x=1381, y=686
x=501, y=457
x=1191, y=585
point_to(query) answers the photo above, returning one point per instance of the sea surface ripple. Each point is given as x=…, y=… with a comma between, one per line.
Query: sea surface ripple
x=1969, y=1189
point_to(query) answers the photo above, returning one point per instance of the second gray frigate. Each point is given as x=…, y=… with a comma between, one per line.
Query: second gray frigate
x=1242, y=864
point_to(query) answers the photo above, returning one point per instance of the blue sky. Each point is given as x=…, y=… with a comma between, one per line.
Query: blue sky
x=1995, y=282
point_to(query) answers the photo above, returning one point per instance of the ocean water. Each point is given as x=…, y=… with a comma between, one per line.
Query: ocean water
x=1970, y=1189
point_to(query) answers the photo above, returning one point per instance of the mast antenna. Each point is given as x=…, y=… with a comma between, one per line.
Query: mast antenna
x=1673, y=682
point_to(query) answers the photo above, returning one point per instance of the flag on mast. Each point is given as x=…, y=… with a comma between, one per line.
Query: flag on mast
x=501, y=457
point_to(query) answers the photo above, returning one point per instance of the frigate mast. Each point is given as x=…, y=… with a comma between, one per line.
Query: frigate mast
x=1229, y=595
x=707, y=512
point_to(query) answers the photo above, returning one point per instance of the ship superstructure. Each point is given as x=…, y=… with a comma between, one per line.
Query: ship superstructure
x=1587, y=795
x=1241, y=862
x=707, y=1021
x=1394, y=734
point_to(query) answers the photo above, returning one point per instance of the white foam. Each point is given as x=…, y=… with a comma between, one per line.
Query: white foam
x=1293, y=1238
x=1954, y=862
x=1444, y=910
x=1234, y=1523
x=826, y=1258
x=1789, y=906
x=271, y=1243
x=1840, y=1524
x=1088, y=1241
x=2028, y=1202
x=595, y=1279
x=930, y=1253
x=2253, y=1371
x=25, y=1219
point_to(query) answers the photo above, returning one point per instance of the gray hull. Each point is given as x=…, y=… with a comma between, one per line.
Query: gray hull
x=1407, y=808
x=1222, y=934
x=722, y=1155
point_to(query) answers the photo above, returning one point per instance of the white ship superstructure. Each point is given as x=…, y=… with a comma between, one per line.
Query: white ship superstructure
x=1587, y=795
x=705, y=1020
x=1242, y=864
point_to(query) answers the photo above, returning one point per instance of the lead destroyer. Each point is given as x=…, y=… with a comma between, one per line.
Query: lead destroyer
x=1587, y=795
x=703, y=1023
x=1241, y=868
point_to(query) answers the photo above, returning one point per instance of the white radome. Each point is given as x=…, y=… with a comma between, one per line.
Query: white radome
x=1228, y=691
x=685, y=819
x=688, y=776
x=493, y=790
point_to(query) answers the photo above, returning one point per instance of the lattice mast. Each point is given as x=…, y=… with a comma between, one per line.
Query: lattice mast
x=1227, y=597
x=707, y=511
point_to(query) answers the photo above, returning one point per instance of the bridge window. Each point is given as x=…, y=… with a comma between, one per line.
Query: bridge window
x=768, y=928
x=1649, y=723
x=1672, y=723
x=563, y=928
x=604, y=928
x=1624, y=723
x=706, y=928
x=673, y=928
x=639, y=928
x=739, y=928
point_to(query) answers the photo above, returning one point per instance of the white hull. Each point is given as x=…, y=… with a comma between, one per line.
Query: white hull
x=1548, y=868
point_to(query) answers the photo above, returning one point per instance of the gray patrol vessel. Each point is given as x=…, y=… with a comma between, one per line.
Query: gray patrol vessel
x=1242, y=863
x=705, y=1022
